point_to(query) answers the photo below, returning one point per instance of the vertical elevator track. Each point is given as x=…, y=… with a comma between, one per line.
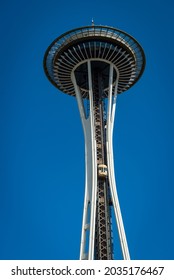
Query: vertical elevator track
x=103, y=240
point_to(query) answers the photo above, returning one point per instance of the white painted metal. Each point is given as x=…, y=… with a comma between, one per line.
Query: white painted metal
x=89, y=212
x=91, y=172
x=110, y=161
x=94, y=170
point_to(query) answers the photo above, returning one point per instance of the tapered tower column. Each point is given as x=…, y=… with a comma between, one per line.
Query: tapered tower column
x=95, y=64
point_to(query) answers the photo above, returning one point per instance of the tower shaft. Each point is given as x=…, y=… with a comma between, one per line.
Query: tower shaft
x=100, y=186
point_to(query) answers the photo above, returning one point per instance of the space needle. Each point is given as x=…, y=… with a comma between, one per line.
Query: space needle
x=95, y=64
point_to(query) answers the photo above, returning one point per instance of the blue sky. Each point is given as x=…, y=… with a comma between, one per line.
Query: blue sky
x=42, y=144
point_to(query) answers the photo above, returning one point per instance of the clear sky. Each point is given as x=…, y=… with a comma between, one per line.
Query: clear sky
x=42, y=144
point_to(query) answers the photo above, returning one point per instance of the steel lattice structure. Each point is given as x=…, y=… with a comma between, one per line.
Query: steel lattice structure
x=94, y=64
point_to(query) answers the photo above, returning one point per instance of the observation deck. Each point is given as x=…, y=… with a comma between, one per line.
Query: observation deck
x=100, y=44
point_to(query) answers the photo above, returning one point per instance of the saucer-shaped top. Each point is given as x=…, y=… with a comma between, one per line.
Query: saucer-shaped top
x=100, y=44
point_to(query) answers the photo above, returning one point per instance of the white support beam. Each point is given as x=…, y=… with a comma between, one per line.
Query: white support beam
x=110, y=161
x=89, y=212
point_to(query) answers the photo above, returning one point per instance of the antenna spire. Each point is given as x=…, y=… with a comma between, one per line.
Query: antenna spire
x=92, y=23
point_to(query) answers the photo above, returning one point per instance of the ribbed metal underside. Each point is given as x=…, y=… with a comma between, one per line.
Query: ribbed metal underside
x=95, y=43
